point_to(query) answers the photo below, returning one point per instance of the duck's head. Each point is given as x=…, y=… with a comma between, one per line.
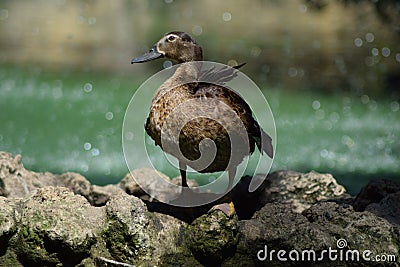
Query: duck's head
x=177, y=46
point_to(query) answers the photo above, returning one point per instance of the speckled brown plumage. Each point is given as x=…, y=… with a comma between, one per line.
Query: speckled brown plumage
x=214, y=109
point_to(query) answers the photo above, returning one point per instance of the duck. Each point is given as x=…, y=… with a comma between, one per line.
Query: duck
x=221, y=129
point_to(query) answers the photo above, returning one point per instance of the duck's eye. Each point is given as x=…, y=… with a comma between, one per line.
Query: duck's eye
x=171, y=38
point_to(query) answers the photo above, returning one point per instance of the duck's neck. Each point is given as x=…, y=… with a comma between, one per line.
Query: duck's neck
x=187, y=72
x=189, y=69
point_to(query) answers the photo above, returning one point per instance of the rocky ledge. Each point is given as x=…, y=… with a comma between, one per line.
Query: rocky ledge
x=293, y=219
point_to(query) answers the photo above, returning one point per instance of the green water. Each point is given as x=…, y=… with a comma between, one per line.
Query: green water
x=71, y=121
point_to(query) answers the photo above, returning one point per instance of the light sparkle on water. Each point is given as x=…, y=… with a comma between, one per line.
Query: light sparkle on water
x=88, y=87
x=95, y=152
x=109, y=115
x=316, y=104
x=87, y=146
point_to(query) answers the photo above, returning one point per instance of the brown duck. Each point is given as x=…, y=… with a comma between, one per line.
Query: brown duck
x=216, y=113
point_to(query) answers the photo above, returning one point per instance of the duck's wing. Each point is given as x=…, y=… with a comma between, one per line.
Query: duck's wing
x=220, y=76
x=242, y=109
x=224, y=94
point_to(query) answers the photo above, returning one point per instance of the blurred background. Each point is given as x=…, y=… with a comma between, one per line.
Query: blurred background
x=330, y=70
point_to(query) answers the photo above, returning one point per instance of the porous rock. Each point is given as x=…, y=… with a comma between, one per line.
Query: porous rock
x=213, y=236
x=299, y=190
x=55, y=226
x=134, y=235
x=7, y=223
x=388, y=208
x=42, y=222
x=324, y=225
x=374, y=192
x=145, y=184
x=18, y=182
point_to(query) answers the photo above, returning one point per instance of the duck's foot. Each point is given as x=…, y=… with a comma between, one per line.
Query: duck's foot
x=226, y=198
x=227, y=208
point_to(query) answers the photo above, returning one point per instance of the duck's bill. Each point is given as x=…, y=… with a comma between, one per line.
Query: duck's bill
x=151, y=55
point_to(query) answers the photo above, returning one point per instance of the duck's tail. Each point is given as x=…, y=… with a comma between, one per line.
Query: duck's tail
x=263, y=141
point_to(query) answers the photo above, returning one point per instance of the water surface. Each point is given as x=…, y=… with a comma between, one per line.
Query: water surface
x=72, y=121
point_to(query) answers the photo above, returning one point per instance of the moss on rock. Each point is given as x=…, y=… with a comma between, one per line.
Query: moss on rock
x=56, y=226
x=213, y=237
x=129, y=232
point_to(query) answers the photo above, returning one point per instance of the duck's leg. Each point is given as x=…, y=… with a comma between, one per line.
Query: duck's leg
x=231, y=174
x=227, y=198
x=182, y=167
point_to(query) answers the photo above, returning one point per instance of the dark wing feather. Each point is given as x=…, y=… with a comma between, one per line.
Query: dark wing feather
x=219, y=76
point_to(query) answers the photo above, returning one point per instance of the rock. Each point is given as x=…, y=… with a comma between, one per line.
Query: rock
x=7, y=223
x=10, y=259
x=144, y=183
x=381, y=197
x=374, y=192
x=300, y=190
x=56, y=226
x=129, y=233
x=247, y=203
x=16, y=181
x=63, y=220
x=327, y=224
x=213, y=236
x=100, y=195
x=361, y=230
x=388, y=208
x=191, y=182
x=135, y=236
x=74, y=181
x=278, y=227
x=171, y=249
x=3, y=191
x=129, y=185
